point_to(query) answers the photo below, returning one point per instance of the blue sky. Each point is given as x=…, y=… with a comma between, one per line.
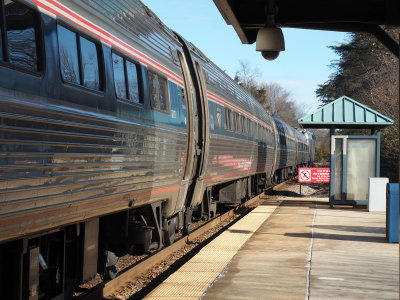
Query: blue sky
x=299, y=69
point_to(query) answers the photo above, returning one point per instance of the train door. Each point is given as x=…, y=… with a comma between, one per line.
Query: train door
x=276, y=149
x=205, y=121
x=192, y=129
x=197, y=135
x=297, y=158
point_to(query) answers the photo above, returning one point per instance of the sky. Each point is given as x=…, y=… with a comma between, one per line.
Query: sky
x=299, y=69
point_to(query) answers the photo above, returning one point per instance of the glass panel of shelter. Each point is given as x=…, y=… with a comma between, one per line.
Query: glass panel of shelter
x=361, y=165
x=338, y=154
x=354, y=163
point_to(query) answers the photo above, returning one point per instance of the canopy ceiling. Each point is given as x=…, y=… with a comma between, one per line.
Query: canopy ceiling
x=338, y=15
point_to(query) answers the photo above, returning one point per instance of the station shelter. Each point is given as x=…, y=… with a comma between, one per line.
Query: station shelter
x=354, y=158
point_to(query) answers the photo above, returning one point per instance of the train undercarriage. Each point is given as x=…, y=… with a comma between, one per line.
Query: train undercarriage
x=50, y=265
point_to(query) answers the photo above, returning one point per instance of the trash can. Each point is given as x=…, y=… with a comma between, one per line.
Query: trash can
x=392, y=213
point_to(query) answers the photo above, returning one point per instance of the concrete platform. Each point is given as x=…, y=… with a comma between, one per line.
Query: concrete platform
x=307, y=251
x=298, y=250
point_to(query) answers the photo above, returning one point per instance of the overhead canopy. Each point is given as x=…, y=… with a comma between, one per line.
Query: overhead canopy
x=247, y=17
x=345, y=112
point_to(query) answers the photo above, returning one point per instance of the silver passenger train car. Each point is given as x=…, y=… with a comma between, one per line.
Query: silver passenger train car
x=115, y=133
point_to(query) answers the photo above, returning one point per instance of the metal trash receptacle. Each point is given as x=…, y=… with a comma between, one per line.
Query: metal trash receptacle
x=392, y=213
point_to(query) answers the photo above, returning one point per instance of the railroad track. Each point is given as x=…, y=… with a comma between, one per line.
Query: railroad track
x=108, y=288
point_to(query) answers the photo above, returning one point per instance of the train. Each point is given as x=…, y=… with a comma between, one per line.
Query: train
x=116, y=133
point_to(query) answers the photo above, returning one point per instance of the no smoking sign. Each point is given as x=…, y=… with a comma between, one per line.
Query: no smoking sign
x=318, y=175
x=305, y=176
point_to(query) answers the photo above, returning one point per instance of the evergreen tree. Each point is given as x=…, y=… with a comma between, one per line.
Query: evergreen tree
x=368, y=73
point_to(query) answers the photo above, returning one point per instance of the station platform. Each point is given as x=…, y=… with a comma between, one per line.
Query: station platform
x=293, y=248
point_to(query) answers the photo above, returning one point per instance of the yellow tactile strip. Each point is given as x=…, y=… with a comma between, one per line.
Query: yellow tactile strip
x=193, y=278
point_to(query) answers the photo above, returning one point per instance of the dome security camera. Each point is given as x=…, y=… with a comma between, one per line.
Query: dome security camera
x=270, y=55
x=270, y=42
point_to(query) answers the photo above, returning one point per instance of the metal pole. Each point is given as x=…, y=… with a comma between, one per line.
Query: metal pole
x=332, y=168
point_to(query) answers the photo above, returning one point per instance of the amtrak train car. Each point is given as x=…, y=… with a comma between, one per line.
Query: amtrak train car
x=116, y=133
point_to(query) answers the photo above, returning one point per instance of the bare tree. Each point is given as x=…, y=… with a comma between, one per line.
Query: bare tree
x=271, y=95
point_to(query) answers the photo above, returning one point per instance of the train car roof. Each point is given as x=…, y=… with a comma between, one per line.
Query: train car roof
x=288, y=128
x=127, y=26
x=135, y=23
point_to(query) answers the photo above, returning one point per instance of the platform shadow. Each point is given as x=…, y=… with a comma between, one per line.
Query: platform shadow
x=306, y=203
x=365, y=229
x=283, y=193
x=339, y=237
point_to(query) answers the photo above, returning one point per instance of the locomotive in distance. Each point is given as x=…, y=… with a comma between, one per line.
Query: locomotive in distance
x=116, y=133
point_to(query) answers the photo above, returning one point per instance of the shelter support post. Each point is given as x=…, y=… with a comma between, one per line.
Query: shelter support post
x=378, y=152
x=332, y=173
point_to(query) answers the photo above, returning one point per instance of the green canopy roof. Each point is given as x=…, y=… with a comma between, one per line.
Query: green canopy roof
x=345, y=112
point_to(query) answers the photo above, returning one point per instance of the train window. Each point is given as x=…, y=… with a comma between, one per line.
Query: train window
x=133, y=81
x=90, y=65
x=244, y=125
x=236, y=122
x=162, y=89
x=69, y=61
x=79, y=60
x=119, y=75
x=158, y=92
x=228, y=119
x=250, y=128
x=126, y=78
x=20, y=29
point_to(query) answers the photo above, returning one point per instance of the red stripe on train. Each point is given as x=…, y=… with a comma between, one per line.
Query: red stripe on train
x=71, y=15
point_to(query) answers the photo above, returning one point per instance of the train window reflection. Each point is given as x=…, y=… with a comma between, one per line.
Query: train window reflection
x=21, y=26
x=79, y=61
x=126, y=80
x=158, y=88
x=162, y=86
x=237, y=122
x=90, y=64
x=153, y=89
x=228, y=119
x=68, y=50
x=133, y=83
x=119, y=76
